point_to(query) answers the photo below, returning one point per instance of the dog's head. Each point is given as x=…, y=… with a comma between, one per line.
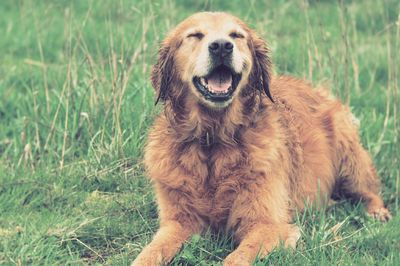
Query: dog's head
x=213, y=57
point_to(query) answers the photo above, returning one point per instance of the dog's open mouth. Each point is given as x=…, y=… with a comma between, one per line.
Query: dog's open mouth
x=219, y=85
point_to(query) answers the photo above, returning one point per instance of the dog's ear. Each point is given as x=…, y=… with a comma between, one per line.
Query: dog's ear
x=260, y=76
x=162, y=72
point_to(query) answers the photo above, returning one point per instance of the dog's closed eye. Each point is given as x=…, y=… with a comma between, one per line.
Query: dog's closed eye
x=236, y=35
x=197, y=35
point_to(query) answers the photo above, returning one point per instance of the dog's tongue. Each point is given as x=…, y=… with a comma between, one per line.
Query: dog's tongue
x=220, y=81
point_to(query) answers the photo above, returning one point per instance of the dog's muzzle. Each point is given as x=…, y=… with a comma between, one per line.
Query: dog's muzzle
x=219, y=85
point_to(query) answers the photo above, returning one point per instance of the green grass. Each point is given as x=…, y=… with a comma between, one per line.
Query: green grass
x=76, y=104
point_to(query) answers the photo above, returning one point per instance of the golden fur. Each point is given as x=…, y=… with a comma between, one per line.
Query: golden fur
x=245, y=167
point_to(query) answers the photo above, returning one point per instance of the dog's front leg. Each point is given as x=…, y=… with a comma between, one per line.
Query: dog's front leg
x=260, y=240
x=260, y=218
x=176, y=226
x=165, y=244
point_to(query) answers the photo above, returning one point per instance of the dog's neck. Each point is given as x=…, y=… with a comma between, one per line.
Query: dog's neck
x=208, y=127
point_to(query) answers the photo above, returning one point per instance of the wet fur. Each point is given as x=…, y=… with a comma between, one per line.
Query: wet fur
x=245, y=168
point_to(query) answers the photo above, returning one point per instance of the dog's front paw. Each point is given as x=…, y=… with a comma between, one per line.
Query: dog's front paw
x=382, y=214
x=236, y=259
x=293, y=236
x=148, y=257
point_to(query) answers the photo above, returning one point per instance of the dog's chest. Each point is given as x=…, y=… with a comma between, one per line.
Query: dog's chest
x=219, y=174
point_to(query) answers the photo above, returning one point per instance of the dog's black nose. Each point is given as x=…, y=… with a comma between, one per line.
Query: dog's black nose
x=221, y=48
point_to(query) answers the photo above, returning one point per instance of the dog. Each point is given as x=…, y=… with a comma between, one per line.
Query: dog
x=240, y=150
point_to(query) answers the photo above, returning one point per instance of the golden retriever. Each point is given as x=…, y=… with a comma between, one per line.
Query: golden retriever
x=238, y=149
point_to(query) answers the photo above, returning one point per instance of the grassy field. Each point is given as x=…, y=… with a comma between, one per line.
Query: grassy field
x=76, y=103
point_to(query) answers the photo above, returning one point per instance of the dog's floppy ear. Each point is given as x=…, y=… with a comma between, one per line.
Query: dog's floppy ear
x=260, y=76
x=162, y=71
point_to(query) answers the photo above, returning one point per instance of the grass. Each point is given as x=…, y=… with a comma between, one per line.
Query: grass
x=76, y=104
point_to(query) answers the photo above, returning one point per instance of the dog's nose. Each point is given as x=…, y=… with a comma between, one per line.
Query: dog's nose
x=221, y=48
